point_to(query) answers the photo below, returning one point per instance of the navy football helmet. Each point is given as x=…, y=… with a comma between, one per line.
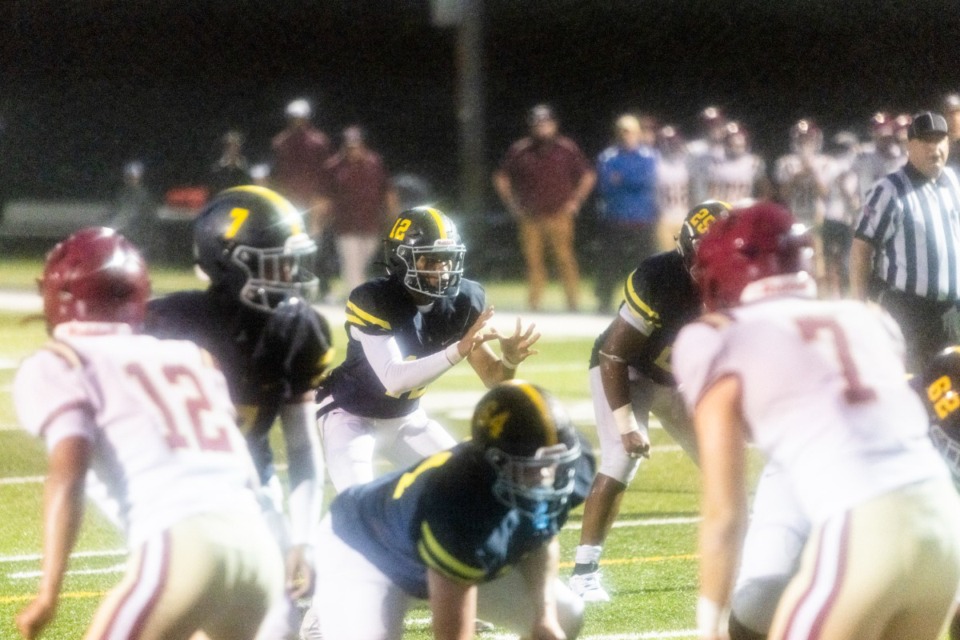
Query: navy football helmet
x=696, y=223
x=531, y=442
x=251, y=241
x=941, y=396
x=424, y=250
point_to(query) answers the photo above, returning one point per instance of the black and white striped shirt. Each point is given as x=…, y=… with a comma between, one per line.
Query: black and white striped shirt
x=913, y=223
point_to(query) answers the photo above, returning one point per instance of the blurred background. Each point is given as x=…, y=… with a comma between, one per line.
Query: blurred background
x=441, y=86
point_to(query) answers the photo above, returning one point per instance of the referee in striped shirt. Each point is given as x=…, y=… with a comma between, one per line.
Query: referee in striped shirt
x=907, y=242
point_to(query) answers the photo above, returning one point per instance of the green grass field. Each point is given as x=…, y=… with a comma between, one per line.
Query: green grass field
x=649, y=562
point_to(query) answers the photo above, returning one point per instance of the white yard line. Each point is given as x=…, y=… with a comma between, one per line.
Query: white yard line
x=22, y=480
x=35, y=557
x=647, y=635
x=27, y=575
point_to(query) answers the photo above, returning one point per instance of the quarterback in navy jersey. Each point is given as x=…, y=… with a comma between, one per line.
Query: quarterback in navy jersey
x=450, y=528
x=404, y=331
x=630, y=378
x=271, y=344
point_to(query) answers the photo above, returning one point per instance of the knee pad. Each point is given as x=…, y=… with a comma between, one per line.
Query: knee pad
x=618, y=465
x=755, y=602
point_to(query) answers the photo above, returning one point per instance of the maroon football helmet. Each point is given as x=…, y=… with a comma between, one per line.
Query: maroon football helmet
x=751, y=243
x=94, y=275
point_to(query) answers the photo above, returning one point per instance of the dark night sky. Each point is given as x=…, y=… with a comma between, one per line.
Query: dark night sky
x=88, y=84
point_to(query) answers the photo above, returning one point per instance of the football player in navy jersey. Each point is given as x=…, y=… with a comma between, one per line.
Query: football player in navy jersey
x=448, y=528
x=256, y=320
x=405, y=330
x=630, y=378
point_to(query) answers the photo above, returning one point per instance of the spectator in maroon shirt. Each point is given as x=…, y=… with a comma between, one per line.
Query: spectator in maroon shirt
x=363, y=202
x=300, y=153
x=543, y=181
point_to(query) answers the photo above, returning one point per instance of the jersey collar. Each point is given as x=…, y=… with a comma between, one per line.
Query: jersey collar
x=78, y=328
x=800, y=285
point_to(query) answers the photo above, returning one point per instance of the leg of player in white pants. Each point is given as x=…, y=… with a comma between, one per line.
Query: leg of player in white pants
x=617, y=469
x=351, y=443
x=771, y=554
x=355, y=600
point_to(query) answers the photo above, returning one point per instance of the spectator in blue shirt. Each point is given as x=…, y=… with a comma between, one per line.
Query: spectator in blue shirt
x=627, y=190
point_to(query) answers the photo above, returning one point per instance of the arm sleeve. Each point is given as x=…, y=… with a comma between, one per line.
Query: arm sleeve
x=306, y=470
x=396, y=374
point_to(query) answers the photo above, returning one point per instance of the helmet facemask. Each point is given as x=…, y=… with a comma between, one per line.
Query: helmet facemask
x=274, y=275
x=433, y=270
x=539, y=486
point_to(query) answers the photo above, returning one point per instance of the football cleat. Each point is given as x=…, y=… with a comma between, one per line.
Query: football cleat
x=588, y=587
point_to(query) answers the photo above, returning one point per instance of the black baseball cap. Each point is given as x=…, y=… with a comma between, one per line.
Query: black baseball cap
x=927, y=124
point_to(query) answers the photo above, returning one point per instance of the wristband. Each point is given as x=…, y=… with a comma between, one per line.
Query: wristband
x=453, y=354
x=710, y=617
x=625, y=420
x=508, y=364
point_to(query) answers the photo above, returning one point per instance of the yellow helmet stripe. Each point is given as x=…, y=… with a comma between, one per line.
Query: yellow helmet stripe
x=439, y=219
x=550, y=437
x=282, y=204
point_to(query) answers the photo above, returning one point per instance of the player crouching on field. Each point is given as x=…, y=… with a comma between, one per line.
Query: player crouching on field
x=472, y=529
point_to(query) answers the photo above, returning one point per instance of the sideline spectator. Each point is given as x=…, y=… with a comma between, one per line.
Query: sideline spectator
x=739, y=174
x=300, y=154
x=842, y=206
x=231, y=169
x=413, y=190
x=706, y=151
x=363, y=201
x=673, y=185
x=627, y=203
x=908, y=237
x=127, y=408
x=135, y=211
x=803, y=179
x=882, y=156
x=951, y=110
x=543, y=181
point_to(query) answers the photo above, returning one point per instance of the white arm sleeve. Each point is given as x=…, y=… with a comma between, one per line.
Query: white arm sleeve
x=396, y=374
x=305, y=460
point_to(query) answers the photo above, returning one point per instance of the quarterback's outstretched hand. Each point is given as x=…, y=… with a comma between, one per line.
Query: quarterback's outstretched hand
x=299, y=574
x=516, y=348
x=475, y=336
